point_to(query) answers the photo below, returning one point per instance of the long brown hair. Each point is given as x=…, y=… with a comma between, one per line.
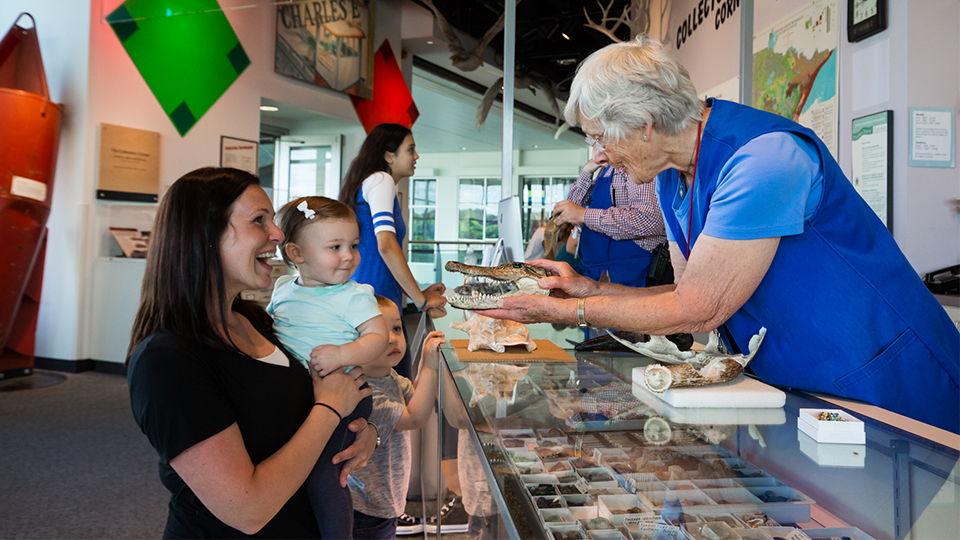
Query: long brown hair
x=291, y=219
x=183, y=288
x=382, y=139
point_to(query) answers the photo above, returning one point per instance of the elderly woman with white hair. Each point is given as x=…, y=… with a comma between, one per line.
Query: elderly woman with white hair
x=765, y=231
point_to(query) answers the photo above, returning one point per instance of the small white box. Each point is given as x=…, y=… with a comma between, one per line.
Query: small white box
x=617, y=507
x=717, y=529
x=850, y=532
x=539, y=479
x=847, y=431
x=581, y=506
x=753, y=534
x=787, y=533
x=831, y=454
x=558, y=529
x=556, y=515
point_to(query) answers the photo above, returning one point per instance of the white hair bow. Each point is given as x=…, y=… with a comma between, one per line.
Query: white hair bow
x=307, y=213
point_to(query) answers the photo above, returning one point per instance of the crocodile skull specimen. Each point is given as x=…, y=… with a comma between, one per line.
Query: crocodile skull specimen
x=487, y=284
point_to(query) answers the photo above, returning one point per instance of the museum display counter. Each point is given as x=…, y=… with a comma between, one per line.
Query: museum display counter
x=577, y=450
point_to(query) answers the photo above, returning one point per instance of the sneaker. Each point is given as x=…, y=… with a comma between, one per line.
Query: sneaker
x=453, y=518
x=407, y=524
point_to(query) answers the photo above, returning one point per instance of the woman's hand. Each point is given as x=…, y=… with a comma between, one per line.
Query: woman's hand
x=554, y=268
x=535, y=309
x=355, y=456
x=564, y=282
x=340, y=390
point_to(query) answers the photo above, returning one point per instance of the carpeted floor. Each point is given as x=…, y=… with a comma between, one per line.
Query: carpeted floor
x=73, y=464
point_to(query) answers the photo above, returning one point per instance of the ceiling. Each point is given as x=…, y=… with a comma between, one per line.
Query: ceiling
x=446, y=122
x=447, y=97
x=540, y=28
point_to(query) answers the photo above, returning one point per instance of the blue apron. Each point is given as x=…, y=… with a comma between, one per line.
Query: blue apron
x=845, y=312
x=624, y=259
x=372, y=269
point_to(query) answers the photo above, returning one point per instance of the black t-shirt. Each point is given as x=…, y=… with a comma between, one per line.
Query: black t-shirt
x=183, y=392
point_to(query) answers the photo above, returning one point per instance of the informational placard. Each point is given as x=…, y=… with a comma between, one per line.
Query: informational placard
x=239, y=154
x=932, y=137
x=129, y=164
x=873, y=163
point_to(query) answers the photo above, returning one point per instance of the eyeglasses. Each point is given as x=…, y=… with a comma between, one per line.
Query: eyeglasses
x=595, y=142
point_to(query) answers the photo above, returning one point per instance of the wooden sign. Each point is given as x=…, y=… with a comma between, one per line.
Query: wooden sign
x=129, y=164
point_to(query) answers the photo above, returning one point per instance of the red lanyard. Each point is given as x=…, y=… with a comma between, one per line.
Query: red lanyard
x=696, y=157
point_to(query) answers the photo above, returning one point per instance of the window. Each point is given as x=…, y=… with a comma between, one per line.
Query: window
x=537, y=197
x=304, y=167
x=479, y=198
x=423, y=219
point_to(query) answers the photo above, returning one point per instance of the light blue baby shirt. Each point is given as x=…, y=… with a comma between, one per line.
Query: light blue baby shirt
x=304, y=317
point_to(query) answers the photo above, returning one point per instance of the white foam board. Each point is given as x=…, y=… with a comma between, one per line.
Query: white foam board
x=741, y=393
x=724, y=416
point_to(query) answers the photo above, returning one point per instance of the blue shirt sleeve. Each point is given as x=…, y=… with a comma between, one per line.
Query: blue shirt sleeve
x=767, y=189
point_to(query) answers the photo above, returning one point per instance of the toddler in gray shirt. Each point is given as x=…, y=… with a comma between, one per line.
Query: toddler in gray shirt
x=398, y=406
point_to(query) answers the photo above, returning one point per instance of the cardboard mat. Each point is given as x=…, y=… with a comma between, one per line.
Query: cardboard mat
x=546, y=351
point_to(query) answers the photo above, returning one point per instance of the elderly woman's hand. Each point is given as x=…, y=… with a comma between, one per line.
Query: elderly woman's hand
x=554, y=268
x=534, y=309
x=355, y=456
x=563, y=282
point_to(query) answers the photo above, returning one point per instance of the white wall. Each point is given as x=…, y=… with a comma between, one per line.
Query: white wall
x=92, y=75
x=927, y=199
x=914, y=63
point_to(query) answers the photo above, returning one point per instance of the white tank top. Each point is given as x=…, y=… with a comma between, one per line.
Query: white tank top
x=276, y=358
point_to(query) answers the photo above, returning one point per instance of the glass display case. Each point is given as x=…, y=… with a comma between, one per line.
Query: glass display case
x=577, y=450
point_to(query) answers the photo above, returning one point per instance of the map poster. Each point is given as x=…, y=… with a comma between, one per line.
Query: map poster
x=327, y=43
x=795, y=69
x=872, y=151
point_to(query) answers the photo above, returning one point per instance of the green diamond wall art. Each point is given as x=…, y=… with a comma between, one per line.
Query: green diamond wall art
x=186, y=51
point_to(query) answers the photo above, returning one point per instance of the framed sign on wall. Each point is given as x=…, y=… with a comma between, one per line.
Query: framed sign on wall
x=873, y=163
x=129, y=164
x=239, y=154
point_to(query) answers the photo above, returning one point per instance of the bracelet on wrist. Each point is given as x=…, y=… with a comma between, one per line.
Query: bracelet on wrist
x=419, y=309
x=369, y=423
x=581, y=315
x=329, y=407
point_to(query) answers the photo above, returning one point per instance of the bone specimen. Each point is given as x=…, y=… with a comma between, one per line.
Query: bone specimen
x=688, y=369
x=496, y=380
x=495, y=334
